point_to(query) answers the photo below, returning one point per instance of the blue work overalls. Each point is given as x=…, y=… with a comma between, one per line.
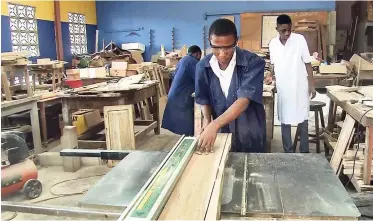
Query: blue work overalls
x=178, y=116
x=248, y=130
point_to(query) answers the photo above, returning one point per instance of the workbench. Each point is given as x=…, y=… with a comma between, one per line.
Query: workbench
x=349, y=102
x=323, y=80
x=26, y=104
x=149, y=92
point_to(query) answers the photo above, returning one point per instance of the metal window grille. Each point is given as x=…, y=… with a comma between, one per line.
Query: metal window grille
x=78, y=34
x=23, y=28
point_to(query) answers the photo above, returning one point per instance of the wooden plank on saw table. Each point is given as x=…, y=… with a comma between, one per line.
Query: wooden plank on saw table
x=343, y=142
x=192, y=198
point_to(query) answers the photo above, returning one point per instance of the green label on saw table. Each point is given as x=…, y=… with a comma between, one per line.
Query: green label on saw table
x=11, y=180
x=151, y=196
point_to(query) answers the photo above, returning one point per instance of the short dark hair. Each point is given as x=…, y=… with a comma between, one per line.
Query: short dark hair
x=283, y=19
x=194, y=49
x=223, y=27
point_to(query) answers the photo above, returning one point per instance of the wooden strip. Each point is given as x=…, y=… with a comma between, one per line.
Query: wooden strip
x=368, y=156
x=150, y=180
x=153, y=199
x=213, y=211
x=191, y=196
x=342, y=143
x=347, y=146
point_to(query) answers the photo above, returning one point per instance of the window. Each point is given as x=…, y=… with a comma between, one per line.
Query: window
x=78, y=35
x=23, y=28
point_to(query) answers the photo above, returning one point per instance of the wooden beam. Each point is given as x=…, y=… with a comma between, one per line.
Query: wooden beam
x=343, y=143
x=58, y=30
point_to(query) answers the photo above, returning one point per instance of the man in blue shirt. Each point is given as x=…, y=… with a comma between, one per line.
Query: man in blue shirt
x=229, y=88
x=178, y=116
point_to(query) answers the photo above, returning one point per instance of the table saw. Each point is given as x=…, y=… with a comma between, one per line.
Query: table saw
x=265, y=185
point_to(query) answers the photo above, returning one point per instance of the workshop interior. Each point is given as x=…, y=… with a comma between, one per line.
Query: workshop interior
x=121, y=110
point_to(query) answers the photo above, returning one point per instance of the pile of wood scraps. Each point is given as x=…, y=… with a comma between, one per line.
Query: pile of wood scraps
x=315, y=34
x=153, y=71
x=14, y=58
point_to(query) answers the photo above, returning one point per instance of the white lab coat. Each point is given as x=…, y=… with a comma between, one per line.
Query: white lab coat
x=291, y=78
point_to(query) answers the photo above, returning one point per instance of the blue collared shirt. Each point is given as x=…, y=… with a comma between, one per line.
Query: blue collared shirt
x=248, y=129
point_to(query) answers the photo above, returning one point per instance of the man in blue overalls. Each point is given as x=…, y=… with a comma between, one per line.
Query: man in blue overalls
x=229, y=88
x=178, y=116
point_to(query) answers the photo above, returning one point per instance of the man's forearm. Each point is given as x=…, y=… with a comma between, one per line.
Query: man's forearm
x=232, y=113
x=206, y=111
x=311, y=80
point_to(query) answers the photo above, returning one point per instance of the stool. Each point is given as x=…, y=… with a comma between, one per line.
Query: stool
x=315, y=106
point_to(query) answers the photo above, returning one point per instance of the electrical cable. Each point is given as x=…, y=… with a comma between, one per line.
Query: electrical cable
x=358, y=146
x=12, y=217
x=67, y=194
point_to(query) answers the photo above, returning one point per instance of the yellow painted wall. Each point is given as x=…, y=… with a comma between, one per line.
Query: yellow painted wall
x=87, y=8
x=44, y=9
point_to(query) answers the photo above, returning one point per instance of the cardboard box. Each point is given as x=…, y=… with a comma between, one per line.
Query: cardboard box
x=43, y=61
x=72, y=74
x=97, y=72
x=134, y=46
x=122, y=73
x=84, y=73
x=82, y=119
x=333, y=69
x=137, y=56
x=168, y=62
x=119, y=65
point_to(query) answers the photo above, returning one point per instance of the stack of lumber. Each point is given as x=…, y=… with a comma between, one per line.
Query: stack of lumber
x=315, y=35
x=349, y=160
x=153, y=71
x=14, y=58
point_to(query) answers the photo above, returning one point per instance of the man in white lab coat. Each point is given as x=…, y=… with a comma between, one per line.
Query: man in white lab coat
x=294, y=82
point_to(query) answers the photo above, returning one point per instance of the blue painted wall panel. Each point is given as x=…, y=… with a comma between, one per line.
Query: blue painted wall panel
x=47, y=40
x=187, y=18
x=6, y=41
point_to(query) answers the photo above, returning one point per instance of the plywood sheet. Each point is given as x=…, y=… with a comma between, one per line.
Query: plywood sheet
x=119, y=127
x=191, y=197
x=251, y=25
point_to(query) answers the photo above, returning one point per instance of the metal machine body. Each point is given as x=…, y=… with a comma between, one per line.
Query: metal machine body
x=17, y=171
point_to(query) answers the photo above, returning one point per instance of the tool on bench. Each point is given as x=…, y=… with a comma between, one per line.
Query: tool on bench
x=17, y=171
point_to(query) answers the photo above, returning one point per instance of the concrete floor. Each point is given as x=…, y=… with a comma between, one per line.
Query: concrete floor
x=57, y=190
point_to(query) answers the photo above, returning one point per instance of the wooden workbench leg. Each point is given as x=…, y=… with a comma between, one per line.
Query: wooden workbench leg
x=155, y=98
x=5, y=86
x=43, y=121
x=66, y=113
x=368, y=153
x=11, y=78
x=331, y=121
x=36, y=128
x=27, y=81
x=54, y=79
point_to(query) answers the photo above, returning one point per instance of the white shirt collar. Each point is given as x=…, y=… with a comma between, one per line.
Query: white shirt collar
x=225, y=76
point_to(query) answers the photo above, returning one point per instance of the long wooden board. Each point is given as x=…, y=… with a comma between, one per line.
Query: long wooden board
x=343, y=142
x=198, y=192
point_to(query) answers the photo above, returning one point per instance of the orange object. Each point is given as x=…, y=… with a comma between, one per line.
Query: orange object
x=14, y=177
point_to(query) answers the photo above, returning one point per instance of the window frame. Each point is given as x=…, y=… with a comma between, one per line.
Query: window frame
x=27, y=32
x=82, y=34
